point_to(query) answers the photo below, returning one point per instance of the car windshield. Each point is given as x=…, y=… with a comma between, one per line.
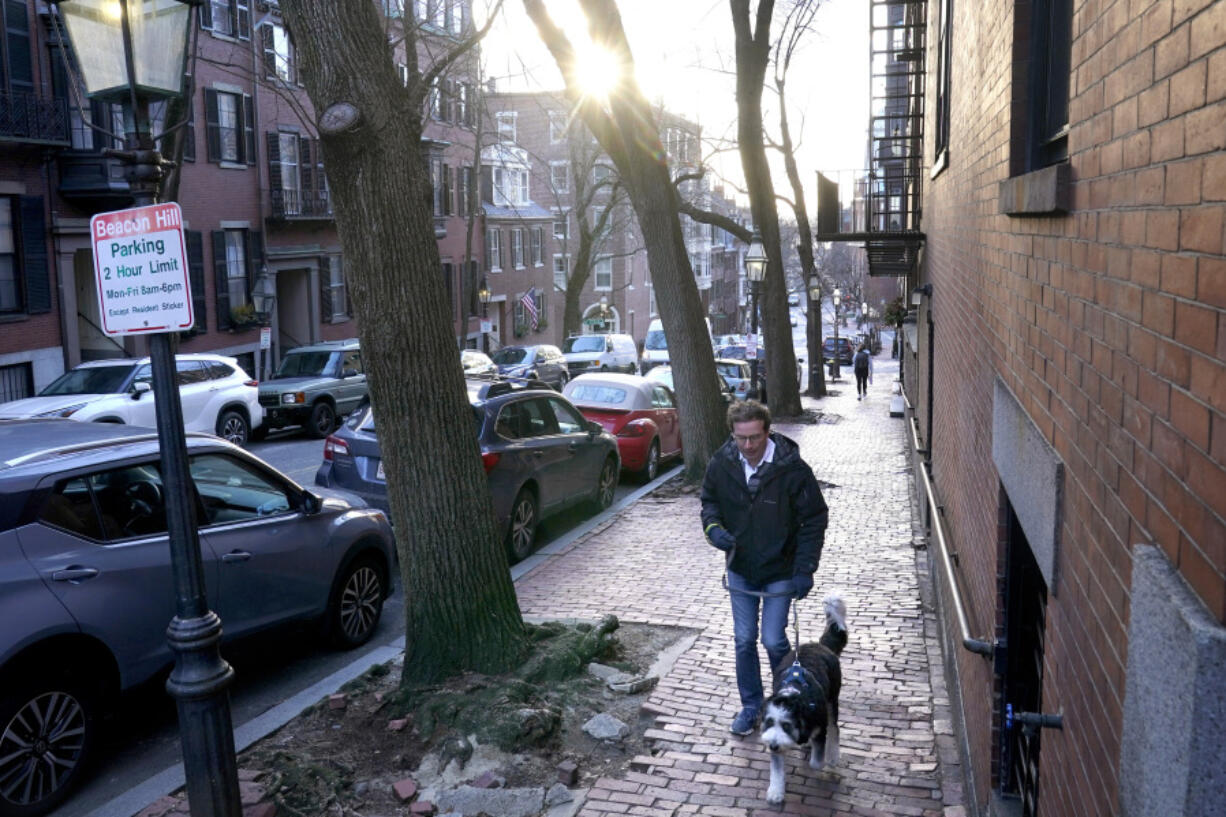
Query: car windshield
x=661, y=374
x=593, y=393
x=303, y=364
x=584, y=343
x=736, y=352
x=730, y=369
x=655, y=340
x=90, y=380
x=504, y=357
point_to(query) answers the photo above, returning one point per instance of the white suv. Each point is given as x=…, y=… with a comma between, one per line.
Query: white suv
x=218, y=396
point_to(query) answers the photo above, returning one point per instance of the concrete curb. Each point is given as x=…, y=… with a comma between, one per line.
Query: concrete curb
x=264, y=724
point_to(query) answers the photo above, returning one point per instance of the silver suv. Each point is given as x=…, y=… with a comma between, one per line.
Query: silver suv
x=88, y=593
x=314, y=387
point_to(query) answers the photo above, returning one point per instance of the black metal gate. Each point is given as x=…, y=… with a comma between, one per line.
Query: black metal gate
x=1025, y=617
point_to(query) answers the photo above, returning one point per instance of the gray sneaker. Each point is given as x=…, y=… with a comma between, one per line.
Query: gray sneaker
x=745, y=722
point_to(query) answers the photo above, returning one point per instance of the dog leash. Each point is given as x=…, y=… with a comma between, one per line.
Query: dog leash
x=764, y=595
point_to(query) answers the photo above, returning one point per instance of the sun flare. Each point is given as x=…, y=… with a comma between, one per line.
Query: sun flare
x=597, y=71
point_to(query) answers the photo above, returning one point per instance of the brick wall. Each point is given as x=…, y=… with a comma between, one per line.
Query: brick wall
x=1109, y=326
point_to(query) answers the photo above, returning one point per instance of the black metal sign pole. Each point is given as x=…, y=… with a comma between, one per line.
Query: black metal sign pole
x=200, y=678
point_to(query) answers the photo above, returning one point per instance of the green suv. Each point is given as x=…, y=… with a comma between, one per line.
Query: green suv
x=313, y=387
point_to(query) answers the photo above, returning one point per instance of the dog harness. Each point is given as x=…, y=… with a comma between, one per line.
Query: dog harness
x=801, y=679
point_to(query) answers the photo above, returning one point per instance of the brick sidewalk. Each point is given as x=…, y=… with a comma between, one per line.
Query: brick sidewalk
x=651, y=564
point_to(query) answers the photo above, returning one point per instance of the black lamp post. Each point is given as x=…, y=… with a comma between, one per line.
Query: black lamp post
x=135, y=51
x=755, y=270
x=483, y=295
x=836, y=299
x=264, y=298
x=815, y=337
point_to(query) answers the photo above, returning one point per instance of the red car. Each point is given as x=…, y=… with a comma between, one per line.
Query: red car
x=641, y=414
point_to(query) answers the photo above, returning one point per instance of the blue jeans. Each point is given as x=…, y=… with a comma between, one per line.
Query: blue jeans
x=745, y=632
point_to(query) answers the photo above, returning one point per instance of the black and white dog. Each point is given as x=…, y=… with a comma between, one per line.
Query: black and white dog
x=805, y=706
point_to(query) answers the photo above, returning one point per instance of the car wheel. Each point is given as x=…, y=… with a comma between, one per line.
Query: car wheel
x=652, y=467
x=357, y=603
x=323, y=420
x=232, y=426
x=604, y=368
x=48, y=732
x=606, y=484
x=521, y=531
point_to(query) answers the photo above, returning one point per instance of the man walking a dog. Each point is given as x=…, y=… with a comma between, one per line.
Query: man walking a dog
x=761, y=506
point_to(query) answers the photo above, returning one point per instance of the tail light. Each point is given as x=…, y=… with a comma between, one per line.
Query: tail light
x=252, y=383
x=334, y=446
x=489, y=459
x=633, y=430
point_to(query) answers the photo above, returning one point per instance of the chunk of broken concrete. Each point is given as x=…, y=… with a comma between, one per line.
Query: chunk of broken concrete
x=606, y=727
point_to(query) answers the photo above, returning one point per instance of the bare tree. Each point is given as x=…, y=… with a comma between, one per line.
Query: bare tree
x=460, y=607
x=627, y=131
x=796, y=26
x=753, y=50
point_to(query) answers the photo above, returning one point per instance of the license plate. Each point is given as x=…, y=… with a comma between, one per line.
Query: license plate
x=379, y=472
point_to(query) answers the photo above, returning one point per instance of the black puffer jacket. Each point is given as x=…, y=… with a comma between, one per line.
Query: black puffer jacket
x=780, y=533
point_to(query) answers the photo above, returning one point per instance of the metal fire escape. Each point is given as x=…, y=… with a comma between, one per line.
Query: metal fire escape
x=885, y=208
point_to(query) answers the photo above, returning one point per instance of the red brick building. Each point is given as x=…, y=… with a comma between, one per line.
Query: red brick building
x=1067, y=373
x=253, y=190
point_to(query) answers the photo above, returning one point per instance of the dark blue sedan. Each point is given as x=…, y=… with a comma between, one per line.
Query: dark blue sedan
x=541, y=456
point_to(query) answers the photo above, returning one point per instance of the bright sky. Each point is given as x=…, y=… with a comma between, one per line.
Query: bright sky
x=683, y=51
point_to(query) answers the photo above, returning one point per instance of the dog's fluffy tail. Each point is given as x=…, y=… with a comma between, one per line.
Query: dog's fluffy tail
x=835, y=636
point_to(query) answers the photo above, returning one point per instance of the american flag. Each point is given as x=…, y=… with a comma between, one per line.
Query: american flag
x=529, y=302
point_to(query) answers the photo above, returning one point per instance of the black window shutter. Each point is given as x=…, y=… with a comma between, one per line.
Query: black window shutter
x=326, y=310
x=34, y=255
x=270, y=52
x=212, y=124
x=248, y=130
x=206, y=14
x=446, y=183
x=255, y=258
x=487, y=184
x=244, y=20
x=306, y=175
x=220, y=280
x=17, y=34
x=195, y=272
x=189, y=133
x=272, y=142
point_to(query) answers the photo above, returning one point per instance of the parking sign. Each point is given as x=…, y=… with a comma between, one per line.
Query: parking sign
x=140, y=268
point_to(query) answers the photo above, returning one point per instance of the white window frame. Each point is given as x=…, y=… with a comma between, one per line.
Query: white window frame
x=493, y=246
x=603, y=268
x=561, y=270
x=506, y=126
x=564, y=220
x=537, y=241
x=559, y=176
x=517, y=247
x=557, y=127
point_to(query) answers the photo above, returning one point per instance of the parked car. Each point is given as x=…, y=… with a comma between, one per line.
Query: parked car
x=217, y=396
x=727, y=340
x=655, y=345
x=664, y=376
x=477, y=364
x=541, y=456
x=543, y=362
x=640, y=413
x=737, y=374
x=600, y=353
x=313, y=387
x=88, y=589
x=844, y=350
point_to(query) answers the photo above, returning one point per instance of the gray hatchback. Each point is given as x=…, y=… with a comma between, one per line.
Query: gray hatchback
x=88, y=593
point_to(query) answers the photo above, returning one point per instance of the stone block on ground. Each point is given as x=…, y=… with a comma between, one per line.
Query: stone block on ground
x=525, y=802
x=606, y=727
x=558, y=794
x=424, y=807
x=397, y=724
x=405, y=789
x=337, y=701
x=568, y=773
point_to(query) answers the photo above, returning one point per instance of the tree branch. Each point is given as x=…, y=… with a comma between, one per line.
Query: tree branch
x=717, y=219
x=466, y=45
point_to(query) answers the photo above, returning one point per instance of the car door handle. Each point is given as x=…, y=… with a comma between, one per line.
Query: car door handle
x=573, y=447
x=236, y=556
x=74, y=574
x=538, y=454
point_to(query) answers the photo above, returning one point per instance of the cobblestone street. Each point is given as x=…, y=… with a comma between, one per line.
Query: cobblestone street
x=651, y=564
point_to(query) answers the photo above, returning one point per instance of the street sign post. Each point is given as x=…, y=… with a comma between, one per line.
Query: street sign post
x=140, y=267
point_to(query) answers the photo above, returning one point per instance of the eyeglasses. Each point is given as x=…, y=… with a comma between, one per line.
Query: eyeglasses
x=751, y=438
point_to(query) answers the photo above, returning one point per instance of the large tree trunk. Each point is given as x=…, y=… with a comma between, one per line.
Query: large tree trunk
x=752, y=55
x=626, y=129
x=460, y=607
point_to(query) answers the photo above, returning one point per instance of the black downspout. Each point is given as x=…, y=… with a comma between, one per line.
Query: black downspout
x=931, y=359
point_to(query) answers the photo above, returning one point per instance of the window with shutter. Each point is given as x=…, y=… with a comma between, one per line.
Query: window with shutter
x=194, y=241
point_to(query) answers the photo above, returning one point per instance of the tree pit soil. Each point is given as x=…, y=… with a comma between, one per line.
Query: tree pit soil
x=344, y=755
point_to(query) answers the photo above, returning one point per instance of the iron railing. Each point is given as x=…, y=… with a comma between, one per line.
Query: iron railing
x=30, y=118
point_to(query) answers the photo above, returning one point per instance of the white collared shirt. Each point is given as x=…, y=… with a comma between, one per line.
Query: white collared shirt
x=767, y=456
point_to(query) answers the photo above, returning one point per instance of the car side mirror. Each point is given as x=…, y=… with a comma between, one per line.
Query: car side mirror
x=310, y=502
x=141, y=387
x=594, y=428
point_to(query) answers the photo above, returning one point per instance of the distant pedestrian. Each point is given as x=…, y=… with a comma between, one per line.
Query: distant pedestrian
x=762, y=506
x=863, y=364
